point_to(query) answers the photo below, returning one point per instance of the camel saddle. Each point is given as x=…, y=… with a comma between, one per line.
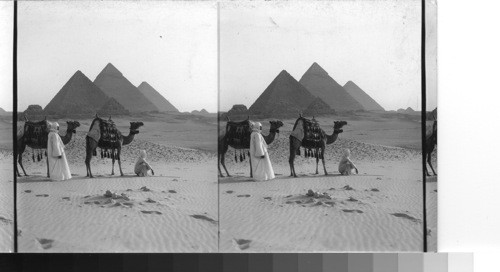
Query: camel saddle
x=238, y=133
x=106, y=133
x=36, y=133
x=308, y=132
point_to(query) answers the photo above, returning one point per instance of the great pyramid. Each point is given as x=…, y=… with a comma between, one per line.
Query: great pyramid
x=78, y=96
x=283, y=96
x=158, y=100
x=114, y=84
x=362, y=97
x=317, y=81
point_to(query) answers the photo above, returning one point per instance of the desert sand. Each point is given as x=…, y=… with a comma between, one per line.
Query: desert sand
x=378, y=210
x=6, y=186
x=173, y=211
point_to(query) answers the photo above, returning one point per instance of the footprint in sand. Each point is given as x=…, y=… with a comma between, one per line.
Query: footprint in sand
x=229, y=192
x=42, y=195
x=149, y=200
x=66, y=198
x=27, y=191
x=374, y=190
x=242, y=243
x=203, y=217
x=404, y=215
x=45, y=243
x=244, y=195
x=172, y=191
x=379, y=178
x=347, y=188
x=151, y=212
x=352, y=211
x=5, y=220
x=267, y=198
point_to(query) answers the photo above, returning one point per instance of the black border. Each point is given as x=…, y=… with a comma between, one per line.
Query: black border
x=14, y=123
x=423, y=128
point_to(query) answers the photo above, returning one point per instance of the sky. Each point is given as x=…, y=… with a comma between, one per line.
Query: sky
x=376, y=44
x=171, y=45
x=6, y=28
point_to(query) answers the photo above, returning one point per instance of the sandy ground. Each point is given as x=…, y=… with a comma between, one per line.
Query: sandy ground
x=173, y=211
x=6, y=186
x=378, y=210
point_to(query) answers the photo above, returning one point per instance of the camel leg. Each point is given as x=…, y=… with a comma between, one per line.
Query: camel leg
x=223, y=160
x=323, y=160
x=251, y=172
x=429, y=157
x=88, y=157
x=113, y=166
x=218, y=166
x=291, y=158
x=317, y=162
x=119, y=161
x=20, y=160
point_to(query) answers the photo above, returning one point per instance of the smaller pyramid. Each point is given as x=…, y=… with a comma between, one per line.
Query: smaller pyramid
x=112, y=107
x=362, y=97
x=156, y=98
x=318, y=107
x=284, y=96
x=2, y=112
x=78, y=96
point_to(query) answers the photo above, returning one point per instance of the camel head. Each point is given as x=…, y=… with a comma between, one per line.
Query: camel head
x=337, y=126
x=134, y=127
x=72, y=125
x=275, y=125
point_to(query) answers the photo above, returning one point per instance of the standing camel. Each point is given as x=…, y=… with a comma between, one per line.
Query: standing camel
x=35, y=135
x=317, y=145
x=103, y=141
x=430, y=145
x=226, y=141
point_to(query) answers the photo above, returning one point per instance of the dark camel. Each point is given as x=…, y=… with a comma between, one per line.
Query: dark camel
x=92, y=145
x=23, y=141
x=430, y=145
x=224, y=144
x=326, y=139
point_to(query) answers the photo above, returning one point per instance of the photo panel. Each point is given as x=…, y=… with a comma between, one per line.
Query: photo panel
x=320, y=133
x=7, y=232
x=117, y=127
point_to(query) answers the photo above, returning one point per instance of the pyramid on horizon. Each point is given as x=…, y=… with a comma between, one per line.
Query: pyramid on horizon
x=362, y=97
x=317, y=81
x=285, y=95
x=114, y=84
x=154, y=96
x=78, y=96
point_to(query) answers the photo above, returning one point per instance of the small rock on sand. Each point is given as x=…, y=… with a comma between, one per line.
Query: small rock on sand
x=45, y=243
x=145, y=189
x=27, y=191
x=244, y=195
x=242, y=243
x=348, y=188
x=172, y=191
x=352, y=211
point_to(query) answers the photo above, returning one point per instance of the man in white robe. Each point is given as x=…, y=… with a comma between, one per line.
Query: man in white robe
x=58, y=165
x=261, y=164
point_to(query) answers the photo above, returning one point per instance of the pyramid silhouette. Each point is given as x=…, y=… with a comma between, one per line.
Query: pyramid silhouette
x=79, y=95
x=114, y=84
x=112, y=107
x=317, y=81
x=318, y=107
x=158, y=100
x=362, y=97
x=285, y=95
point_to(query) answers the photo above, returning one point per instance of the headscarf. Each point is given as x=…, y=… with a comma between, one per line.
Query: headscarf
x=256, y=127
x=56, y=125
x=52, y=126
x=142, y=156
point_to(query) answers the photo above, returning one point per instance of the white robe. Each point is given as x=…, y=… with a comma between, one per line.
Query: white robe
x=58, y=167
x=261, y=167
